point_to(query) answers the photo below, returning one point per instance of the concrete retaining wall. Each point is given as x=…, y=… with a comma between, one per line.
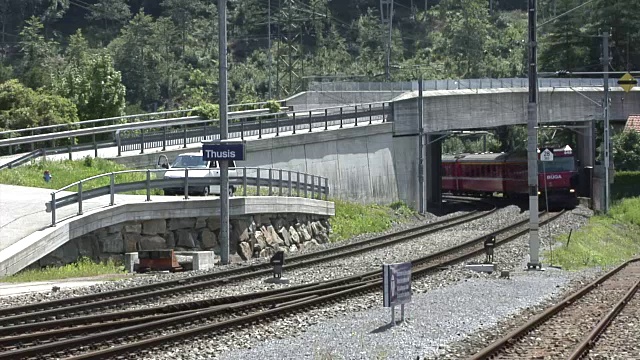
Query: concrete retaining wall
x=35, y=246
x=320, y=99
x=358, y=161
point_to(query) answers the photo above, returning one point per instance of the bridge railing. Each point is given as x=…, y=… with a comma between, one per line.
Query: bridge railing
x=247, y=181
x=193, y=129
x=459, y=84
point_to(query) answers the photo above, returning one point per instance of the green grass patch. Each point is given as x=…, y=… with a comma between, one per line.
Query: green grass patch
x=353, y=219
x=84, y=267
x=67, y=172
x=606, y=240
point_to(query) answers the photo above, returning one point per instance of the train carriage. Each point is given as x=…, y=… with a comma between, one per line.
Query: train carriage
x=507, y=174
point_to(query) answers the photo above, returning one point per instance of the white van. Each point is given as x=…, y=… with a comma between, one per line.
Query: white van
x=197, y=168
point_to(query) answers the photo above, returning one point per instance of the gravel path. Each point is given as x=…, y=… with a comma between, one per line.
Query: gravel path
x=446, y=309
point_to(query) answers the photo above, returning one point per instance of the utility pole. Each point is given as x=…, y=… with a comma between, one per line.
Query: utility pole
x=224, y=131
x=269, y=35
x=386, y=14
x=532, y=141
x=605, y=105
x=421, y=167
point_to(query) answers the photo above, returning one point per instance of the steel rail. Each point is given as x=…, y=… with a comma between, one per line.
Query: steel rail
x=33, y=312
x=582, y=350
x=524, y=329
x=281, y=309
x=304, y=296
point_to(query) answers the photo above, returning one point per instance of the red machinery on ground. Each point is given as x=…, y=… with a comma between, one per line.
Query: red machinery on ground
x=506, y=173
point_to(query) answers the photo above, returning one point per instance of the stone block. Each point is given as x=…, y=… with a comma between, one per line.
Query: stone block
x=295, y=237
x=208, y=239
x=112, y=243
x=170, y=237
x=203, y=260
x=88, y=245
x=152, y=243
x=185, y=239
x=114, y=228
x=182, y=223
x=213, y=223
x=132, y=228
x=131, y=241
x=285, y=236
x=201, y=222
x=274, y=235
x=130, y=261
x=245, y=251
x=154, y=227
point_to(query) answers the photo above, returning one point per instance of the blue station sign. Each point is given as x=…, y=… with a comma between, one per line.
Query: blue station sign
x=226, y=150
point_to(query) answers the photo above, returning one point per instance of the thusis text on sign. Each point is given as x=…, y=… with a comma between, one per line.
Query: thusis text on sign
x=396, y=284
x=225, y=150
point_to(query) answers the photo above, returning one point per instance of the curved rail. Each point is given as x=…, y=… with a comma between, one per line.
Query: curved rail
x=35, y=312
x=300, y=300
x=493, y=349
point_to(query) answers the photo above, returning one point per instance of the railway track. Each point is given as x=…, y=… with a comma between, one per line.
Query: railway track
x=569, y=329
x=58, y=309
x=93, y=342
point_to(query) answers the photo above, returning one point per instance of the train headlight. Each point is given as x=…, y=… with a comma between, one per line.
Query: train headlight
x=572, y=190
x=539, y=193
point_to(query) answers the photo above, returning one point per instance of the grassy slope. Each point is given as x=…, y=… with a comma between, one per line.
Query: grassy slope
x=605, y=240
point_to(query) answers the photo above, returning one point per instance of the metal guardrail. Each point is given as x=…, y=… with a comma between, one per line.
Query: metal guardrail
x=451, y=84
x=125, y=119
x=23, y=159
x=192, y=129
x=274, y=182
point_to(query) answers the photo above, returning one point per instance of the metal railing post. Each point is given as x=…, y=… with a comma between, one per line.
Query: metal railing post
x=69, y=148
x=186, y=183
x=279, y=182
x=119, y=143
x=305, y=185
x=289, y=173
x=325, y=120
x=326, y=188
x=258, y=181
x=270, y=181
x=313, y=187
x=298, y=183
x=340, y=118
x=80, y=197
x=53, y=209
x=164, y=138
x=204, y=131
x=310, y=122
x=244, y=181
x=259, y=128
x=384, y=111
x=141, y=141
x=33, y=144
x=112, y=188
x=242, y=120
x=277, y=126
x=356, y=115
x=294, y=123
x=148, y=185
x=184, y=136
x=370, y=116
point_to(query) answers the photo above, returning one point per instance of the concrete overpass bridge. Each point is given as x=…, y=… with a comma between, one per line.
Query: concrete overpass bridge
x=377, y=161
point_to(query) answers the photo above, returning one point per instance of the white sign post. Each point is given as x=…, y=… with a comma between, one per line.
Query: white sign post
x=396, y=284
x=546, y=156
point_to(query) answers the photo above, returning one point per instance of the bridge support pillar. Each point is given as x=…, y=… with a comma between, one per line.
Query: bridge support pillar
x=585, y=153
x=433, y=170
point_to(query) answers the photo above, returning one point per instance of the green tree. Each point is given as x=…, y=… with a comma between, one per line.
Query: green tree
x=565, y=45
x=107, y=17
x=22, y=107
x=38, y=55
x=626, y=151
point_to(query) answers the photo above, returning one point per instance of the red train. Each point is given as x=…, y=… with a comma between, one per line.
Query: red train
x=506, y=174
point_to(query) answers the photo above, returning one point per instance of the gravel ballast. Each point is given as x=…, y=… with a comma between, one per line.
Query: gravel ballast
x=452, y=312
x=446, y=310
